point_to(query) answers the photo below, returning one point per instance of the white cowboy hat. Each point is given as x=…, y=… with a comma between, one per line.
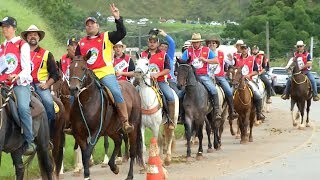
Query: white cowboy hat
x=33, y=28
x=187, y=44
x=299, y=43
x=261, y=52
x=239, y=42
x=196, y=37
x=120, y=44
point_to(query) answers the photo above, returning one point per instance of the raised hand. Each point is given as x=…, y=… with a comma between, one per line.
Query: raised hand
x=115, y=11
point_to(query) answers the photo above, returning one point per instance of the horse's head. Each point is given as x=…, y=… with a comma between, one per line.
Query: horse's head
x=293, y=67
x=235, y=76
x=142, y=67
x=78, y=73
x=184, y=73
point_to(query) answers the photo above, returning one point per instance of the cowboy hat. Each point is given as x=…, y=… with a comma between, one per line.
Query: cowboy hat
x=299, y=43
x=33, y=28
x=239, y=42
x=196, y=37
x=215, y=39
x=187, y=44
x=120, y=44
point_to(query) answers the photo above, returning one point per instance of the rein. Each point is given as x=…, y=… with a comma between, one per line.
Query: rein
x=3, y=105
x=305, y=78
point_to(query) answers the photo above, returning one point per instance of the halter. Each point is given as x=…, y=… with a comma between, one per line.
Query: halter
x=187, y=78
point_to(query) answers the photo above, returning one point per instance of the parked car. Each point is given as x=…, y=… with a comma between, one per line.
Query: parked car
x=170, y=21
x=110, y=19
x=215, y=23
x=141, y=23
x=317, y=78
x=280, y=77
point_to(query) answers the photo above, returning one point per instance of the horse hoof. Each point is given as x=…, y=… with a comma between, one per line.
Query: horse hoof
x=233, y=134
x=250, y=139
x=199, y=157
x=294, y=124
x=189, y=159
x=237, y=136
x=301, y=127
x=210, y=150
x=116, y=170
x=308, y=125
x=142, y=171
x=119, y=161
x=125, y=159
x=76, y=173
x=243, y=141
x=167, y=161
x=104, y=165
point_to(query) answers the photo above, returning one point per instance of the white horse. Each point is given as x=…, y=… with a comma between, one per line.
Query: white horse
x=151, y=108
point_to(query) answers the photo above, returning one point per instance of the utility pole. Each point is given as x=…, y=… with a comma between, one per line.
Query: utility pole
x=139, y=38
x=311, y=47
x=267, y=40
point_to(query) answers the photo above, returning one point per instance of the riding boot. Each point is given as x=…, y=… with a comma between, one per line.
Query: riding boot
x=123, y=115
x=29, y=149
x=216, y=109
x=171, y=105
x=232, y=113
x=258, y=104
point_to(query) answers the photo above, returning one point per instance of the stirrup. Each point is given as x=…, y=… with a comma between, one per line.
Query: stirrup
x=284, y=96
x=316, y=98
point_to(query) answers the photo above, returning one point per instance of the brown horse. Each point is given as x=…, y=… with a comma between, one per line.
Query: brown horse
x=93, y=115
x=300, y=94
x=243, y=103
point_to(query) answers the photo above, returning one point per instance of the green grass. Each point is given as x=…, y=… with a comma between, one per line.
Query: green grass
x=7, y=169
x=25, y=17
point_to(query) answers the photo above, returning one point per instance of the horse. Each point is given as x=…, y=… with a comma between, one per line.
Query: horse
x=198, y=108
x=12, y=141
x=152, y=116
x=93, y=114
x=300, y=93
x=263, y=92
x=243, y=103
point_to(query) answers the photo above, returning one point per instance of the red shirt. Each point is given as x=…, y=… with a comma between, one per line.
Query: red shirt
x=156, y=62
x=220, y=68
x=65, y=63
x=248, y=64
x=121, y=65
x=195, y=54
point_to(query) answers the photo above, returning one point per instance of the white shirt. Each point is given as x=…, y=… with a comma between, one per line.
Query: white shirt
x=25, y=74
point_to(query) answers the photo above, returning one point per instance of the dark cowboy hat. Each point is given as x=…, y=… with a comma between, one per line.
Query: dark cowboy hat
x=33, y=28
x=215, y=39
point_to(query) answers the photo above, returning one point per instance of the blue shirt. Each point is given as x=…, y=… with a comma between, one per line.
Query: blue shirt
x=170, y=53
x=185, y=55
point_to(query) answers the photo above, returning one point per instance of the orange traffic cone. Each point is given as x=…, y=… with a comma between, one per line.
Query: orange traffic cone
x=155, y=170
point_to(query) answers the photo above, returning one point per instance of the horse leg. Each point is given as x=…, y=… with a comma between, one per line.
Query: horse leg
x=308, y=110
x=238, y=129
x=208, y=130
x=18, y=164
x=169, y=135
x=86, y=153
x=58, y=146
x=301, y=109
x=144, y=149
x=252, y=118
x=231, y=128
x=200, y=136
x=126, y=148
x=117, y=145
x=294, y=122
x=106, y=147
x=187, y=127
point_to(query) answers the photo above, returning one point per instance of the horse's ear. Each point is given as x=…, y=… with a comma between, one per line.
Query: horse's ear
x=88, y=55
x=137, y=55
x=149, y=55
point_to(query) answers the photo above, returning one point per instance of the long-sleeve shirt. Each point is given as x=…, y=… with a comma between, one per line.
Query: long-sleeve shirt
x=114, y=36
x=170, y=53
x=25, y=77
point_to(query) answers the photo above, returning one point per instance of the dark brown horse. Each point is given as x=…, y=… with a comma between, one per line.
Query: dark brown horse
x=243, y=103
x=93, y=115
x=12, y=141
x=300, y=94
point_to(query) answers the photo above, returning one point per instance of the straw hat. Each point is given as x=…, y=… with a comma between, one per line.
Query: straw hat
x=196, y=37
x=299, y=43
x=215, y=39
x=33, y=28
x=239, y=42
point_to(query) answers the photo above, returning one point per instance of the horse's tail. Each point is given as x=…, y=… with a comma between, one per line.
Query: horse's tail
x=139, y=150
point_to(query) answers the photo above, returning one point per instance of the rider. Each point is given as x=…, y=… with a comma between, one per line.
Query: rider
x=185, y=46
x=100, y=44
x=305, y=63
x=263, y=67
x=219, y=73
x=236, y=55
x=66, y=58
x=200, y=57
x=160, y=66
x=249, y=69
x=44, y=71
x=123, y=64
x=15, y=49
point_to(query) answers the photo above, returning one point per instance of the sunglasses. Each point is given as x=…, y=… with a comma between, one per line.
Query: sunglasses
x=299, y=46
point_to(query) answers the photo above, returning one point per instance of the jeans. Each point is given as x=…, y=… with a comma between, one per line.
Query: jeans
x=23, y=94
x=208, y=83
x=313, y=83
x=166, y=90
x=225, y=86
x=267, y=83
x=255, y=90
x=111, y=82
x=47, y=101
x=312, y=80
